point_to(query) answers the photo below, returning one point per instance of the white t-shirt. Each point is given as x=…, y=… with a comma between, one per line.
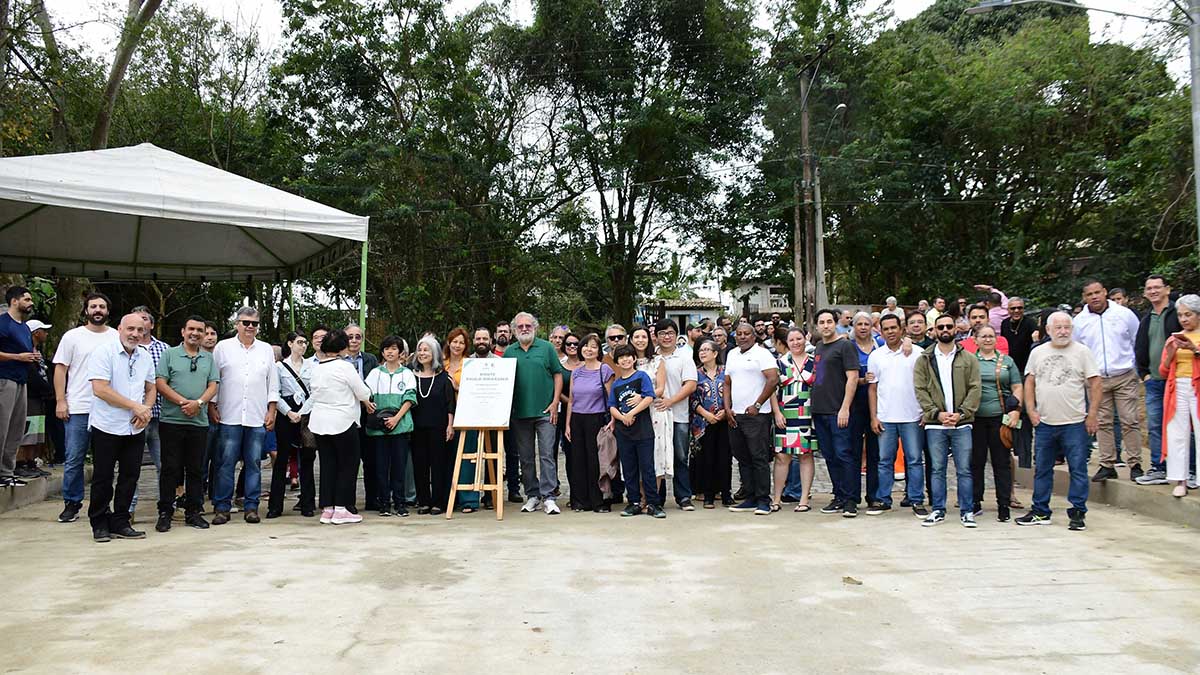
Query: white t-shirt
x=680, y=369
x=897, y=397
x=745, y=371
x=74, y=351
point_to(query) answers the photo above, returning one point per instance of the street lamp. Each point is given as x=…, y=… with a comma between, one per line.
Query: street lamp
x=1193, y=26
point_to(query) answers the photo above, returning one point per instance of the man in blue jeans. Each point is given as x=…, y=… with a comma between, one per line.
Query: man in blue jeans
x=73, y=391
x=245, y=411
x=681, y=382
x=946, y=380
x=835, y=379
x=896, y=418
x=1062, y=395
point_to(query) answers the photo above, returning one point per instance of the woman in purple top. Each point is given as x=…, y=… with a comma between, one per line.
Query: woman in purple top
x=587, y=410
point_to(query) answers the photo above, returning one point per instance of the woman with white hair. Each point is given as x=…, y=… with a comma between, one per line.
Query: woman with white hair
x=433, y=427
x=862, y=438
x=1180, y=365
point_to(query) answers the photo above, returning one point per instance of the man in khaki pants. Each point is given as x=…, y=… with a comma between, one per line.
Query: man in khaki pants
x=1109, y=331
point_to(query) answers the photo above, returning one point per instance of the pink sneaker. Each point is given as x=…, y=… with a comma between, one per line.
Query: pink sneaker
x=326, y=516
x=343, y=517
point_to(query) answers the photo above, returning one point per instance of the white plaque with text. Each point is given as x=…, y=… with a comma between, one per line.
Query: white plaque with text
x=485, y=393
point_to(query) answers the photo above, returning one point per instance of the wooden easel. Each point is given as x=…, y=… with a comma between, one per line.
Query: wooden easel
x=492, y=460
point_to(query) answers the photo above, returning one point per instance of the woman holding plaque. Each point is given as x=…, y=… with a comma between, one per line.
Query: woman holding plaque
x=587, y=411
x=433, y=427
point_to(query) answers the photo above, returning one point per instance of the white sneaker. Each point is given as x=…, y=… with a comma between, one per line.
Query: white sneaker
x=532, y=504
x=968, y=519
x=1152, y=477
x=551, y=508
x=343, y=517
x=1191, y=482
x=326, y=516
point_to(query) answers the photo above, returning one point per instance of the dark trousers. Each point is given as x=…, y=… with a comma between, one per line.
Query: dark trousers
x=391, y=458
x=432, y=463
x=834, y=443
x=714, y=464
x=339, y=468
x=57, y=433
x=752, y=439
x=1023, y=442
x=121, y=455
x=512, y=464
x=637, y=464
x=583, y=460
x=182, y=454
x=288, y=445
x=862, y=439
x=985, y=442
x=369, y=471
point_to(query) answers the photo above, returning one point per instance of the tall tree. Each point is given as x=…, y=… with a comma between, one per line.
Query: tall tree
x=138, y=14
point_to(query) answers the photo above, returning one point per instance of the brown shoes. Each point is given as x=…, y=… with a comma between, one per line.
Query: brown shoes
x=220, y=518
x=252, y=516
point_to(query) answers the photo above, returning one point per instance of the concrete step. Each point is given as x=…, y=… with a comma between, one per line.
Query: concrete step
x=1154, y=501
x=38, y=489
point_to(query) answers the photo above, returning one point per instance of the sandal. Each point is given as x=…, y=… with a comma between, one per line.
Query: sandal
x=775, y=507
x=802, y=508
x=468, y=509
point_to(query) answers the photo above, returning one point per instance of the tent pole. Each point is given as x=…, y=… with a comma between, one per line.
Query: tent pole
x=362, y=289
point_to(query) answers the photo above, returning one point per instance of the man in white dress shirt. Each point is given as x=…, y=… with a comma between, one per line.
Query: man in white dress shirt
x=122, y=379
x=245, y=411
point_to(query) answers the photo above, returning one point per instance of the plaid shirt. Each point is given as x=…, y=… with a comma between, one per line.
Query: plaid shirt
x=156, y=348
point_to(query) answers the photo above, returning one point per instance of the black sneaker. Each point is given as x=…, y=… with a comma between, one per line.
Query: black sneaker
x=271, y=513
x=197, y=521
x=686, y=505
x=13, y=481
x=100, y=535
x=1032, y=518
x=70, y=513
x=935, y=517
x=1076, y=524
x=1104, y=473
x=401, y=511
x=850, y=510
x=1002, y=514
x=657, y=511
x=905, y=503
x=977, y=510
x=920, y=511
x=515, y=497
x=127, y=532
x=833, y=507
x=1136, y=472
x=164, y=522
x=385, y=512
x=631, y=510
x=878, y=508
x=739, y=495
x=745, y=507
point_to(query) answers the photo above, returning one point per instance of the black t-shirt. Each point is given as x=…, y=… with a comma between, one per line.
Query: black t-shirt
x=1020, y=339
x=435, y=401
x=831, y=362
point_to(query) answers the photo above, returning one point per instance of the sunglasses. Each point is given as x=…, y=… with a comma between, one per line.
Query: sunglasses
x=1016, y=308
x=249, y=324
x=571, y=344
x=614, y=338
x=193, y=360
x=943, y=327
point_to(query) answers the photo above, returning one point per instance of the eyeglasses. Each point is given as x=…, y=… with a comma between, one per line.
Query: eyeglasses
x=571, y=344
x=354, y=338
x=615, y=338
x=524, y=325
x=249, y=324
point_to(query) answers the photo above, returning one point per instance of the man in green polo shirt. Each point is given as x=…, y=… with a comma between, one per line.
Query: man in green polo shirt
x=187, y=379
x=535, y=412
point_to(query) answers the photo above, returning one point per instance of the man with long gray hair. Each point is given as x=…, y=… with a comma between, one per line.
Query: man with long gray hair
x=535, y=412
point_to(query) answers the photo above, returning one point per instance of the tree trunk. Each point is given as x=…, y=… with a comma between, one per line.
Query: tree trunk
x=54, y=73
x=4, y=36
x=136, y=18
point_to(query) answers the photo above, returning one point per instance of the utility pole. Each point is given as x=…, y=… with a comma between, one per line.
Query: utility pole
x=1194, y=51
x=822, y=288
x=808, y=263
x=797, y=256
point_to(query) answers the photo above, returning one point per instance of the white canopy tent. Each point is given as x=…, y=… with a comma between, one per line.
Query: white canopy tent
x=142, y=212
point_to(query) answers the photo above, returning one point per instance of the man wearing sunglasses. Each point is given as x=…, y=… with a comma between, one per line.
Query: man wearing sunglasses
x=364, y=363
x=946, y=378
x=614, y=336
x=187, y=380
x=245, y=411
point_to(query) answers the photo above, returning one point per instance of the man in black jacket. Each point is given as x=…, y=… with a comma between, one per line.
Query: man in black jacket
x=1019, y=328
x=1154, y=329
x=364, y=363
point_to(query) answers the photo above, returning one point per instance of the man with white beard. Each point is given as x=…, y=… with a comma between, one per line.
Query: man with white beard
x=534, y=420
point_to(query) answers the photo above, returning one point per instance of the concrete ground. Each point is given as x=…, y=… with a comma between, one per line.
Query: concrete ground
x=709, y=591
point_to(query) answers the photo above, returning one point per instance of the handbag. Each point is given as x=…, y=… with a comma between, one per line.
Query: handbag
x=1008, y=403
x=377, y=421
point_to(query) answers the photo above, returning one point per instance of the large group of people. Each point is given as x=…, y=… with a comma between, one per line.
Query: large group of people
x=638, y=415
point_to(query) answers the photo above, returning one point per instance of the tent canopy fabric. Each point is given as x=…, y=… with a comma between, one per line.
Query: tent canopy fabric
x=142, y=212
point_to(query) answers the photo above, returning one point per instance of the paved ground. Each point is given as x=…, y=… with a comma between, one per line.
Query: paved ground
x=708, y=591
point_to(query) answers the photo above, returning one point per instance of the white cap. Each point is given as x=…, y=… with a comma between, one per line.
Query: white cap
x=36, y=325
x=891, y=300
